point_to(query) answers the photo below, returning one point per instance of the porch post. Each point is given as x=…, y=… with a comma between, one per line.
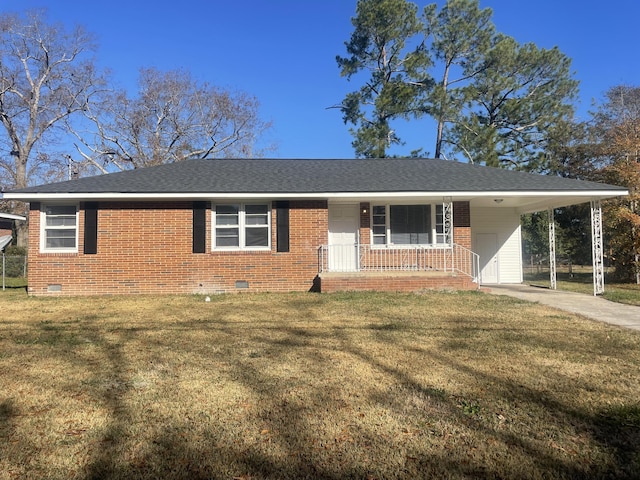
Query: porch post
x=447, y=227
x=597, y=247
x=447, y=218
x=357, y=246
x=552, y=250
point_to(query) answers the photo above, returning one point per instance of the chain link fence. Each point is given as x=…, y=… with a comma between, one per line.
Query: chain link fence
x=536, y=268
x=14, y=269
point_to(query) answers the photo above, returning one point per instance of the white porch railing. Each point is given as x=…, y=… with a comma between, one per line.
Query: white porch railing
x=369, y=258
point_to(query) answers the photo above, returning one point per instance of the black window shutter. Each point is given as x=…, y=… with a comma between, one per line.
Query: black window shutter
x=199, y=227
x=91, y=228
x=282, y=226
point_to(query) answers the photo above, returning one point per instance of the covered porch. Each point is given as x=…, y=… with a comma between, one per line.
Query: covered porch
x=407, y=244
x=457, y=242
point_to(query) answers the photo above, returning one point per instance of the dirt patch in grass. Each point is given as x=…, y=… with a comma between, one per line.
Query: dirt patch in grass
x=439, y=385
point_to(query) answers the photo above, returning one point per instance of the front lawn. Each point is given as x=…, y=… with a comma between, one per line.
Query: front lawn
x=377, y=386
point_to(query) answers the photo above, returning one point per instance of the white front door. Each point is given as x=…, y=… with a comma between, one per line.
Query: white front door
x=487, y=250
x=343, y=237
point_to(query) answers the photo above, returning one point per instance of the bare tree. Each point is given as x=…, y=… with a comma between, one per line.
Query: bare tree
x=47, y=76
x=172, y=118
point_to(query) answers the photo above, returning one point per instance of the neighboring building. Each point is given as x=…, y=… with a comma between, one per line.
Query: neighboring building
x=6, y=228
x=227, y=225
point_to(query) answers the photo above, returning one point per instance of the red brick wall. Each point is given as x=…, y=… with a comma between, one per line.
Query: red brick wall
x=462, y=224
x=147, y=248
x=365, y=223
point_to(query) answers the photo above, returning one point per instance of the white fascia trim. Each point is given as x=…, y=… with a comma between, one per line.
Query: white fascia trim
x=555, y=193
x=320, y=195
x=11, y=216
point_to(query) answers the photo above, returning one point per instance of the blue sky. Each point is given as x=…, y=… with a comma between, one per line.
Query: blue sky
x=283, y=52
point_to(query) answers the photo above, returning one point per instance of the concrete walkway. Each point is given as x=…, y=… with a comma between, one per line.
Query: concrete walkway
x=596, y=308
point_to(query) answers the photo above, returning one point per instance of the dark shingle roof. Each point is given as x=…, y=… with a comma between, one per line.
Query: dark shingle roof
x=276, y=176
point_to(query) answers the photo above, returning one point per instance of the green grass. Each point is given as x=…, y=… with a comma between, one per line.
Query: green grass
x=11, y=282
x=367, y=385
x=581, y=281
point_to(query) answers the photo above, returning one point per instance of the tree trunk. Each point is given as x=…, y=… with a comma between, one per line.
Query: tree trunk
x=442, y=107
x=22, y=234
x=439, y=138
x=22, y=228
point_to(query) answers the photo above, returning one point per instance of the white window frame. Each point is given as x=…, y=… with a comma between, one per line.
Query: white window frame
x=435, y=235
x=242, y=227
x=441, y=236
x=44, y=228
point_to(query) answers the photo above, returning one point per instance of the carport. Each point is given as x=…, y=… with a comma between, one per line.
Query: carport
x=6, y=236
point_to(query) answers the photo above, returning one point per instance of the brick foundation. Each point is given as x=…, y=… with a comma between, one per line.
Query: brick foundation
x=393, y=282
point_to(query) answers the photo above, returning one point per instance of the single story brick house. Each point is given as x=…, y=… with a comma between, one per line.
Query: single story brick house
x=229, y=225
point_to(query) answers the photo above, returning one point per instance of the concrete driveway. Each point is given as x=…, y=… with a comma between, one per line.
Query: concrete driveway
x=596, y=308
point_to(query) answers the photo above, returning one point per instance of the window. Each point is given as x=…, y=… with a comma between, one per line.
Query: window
x=379, y=225
x=242, y=226
x=59, y=228
x=227, y=222
x=410, y=224
x=407, y=225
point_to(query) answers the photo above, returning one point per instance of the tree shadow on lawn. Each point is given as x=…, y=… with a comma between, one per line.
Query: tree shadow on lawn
x=294, y=449
x=287, y=450
x=7, y=414
x=302, y=454
x=616, y=429
x=465, y=413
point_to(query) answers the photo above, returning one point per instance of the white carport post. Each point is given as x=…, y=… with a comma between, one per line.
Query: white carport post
x=552, y=249
x=597, y=247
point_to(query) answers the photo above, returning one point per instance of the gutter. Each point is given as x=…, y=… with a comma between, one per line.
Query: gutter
x=602, y=194
x=11, y=216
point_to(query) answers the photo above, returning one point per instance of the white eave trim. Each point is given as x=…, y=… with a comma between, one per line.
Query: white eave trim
x=11, y=216
x=602, y=194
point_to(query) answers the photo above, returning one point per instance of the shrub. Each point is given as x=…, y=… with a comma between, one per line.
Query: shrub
x=14, y=250
x=15, y=260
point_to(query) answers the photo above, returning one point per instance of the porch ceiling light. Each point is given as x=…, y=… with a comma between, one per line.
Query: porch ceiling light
x=498, y=200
